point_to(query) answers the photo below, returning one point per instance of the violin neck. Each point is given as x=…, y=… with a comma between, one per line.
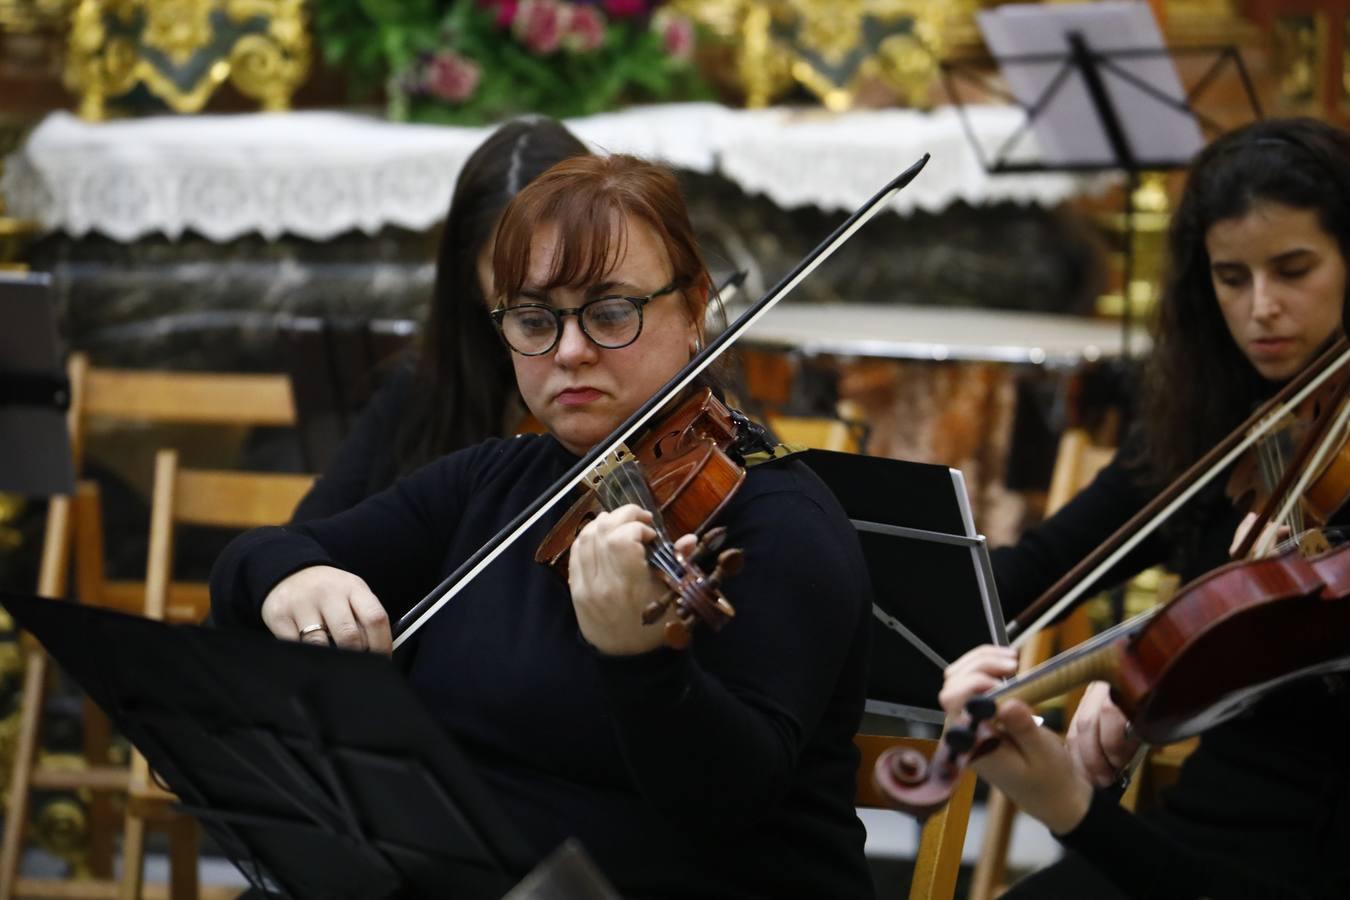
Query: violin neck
x=1096, y=659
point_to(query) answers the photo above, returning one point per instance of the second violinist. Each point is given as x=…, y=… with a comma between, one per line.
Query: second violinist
x=724, y=770
x=1259, y=248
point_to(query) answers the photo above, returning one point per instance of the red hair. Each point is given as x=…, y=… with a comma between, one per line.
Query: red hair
x=584, y=197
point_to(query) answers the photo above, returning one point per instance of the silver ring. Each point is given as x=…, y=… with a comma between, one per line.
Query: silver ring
x=310, y=629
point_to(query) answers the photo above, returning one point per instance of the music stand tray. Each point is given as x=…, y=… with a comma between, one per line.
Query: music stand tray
x=933, y=587
x=317, y=770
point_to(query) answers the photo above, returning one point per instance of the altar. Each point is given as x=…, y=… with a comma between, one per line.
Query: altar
x=194, y=242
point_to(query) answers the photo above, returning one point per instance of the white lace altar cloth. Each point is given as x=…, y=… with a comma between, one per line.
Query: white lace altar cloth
x=319, y=174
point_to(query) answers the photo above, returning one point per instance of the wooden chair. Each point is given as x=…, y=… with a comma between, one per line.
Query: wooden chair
x=938, y=860
x=189, y=497
x=74, y=529
x=1077, y=462
x=845, y=432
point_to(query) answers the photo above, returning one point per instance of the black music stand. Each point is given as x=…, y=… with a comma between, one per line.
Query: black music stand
x=1104, y=76
x=317, y=770
x=34, y=391
x=933, y=588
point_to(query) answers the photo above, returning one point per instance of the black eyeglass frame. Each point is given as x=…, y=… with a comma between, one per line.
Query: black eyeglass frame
x=639, y=303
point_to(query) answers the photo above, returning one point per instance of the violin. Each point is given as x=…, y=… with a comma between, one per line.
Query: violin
x=1196, y=661
x=681, y=473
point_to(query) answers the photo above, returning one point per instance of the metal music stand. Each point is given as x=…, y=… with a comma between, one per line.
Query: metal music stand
x=933, y=588
x=35, y=455
x=1106, y=78
x=316, y=770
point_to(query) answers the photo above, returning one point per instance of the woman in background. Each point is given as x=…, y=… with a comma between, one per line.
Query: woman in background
x=460, y=390
x=1257, y=289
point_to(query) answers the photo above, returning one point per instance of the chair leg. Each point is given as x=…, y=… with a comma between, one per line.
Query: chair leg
x=184, y=849
x=991, y=869
x=133, y=858
x=25, y=755
x=103, y=817
x=940, y=845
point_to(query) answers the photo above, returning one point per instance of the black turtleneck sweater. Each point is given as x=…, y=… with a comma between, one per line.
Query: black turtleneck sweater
x=1262, y=807
x=723, y=771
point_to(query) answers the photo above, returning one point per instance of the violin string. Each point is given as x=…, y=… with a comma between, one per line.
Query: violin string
x=625, y=485
x=1330, y=443
x=1091, y=645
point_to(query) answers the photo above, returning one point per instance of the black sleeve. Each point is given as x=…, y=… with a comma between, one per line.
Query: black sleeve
x=1023, y=571
x=712, y=739
x=365, y=462
x=394, y=541
x=1146, y=864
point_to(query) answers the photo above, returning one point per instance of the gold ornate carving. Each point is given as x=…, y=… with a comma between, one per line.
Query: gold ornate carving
x=1299, y=56
x=836, y=49
x=183, y=50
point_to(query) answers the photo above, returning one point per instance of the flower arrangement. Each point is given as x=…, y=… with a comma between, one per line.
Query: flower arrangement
x=480, y=60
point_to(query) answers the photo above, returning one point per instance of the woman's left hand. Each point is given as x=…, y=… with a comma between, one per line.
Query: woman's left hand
x=612, y=584
x=1031, y=764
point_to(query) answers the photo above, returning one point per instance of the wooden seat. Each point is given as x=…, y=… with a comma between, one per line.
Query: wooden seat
x=74, y=533
x=938, y=860
x=219, y=499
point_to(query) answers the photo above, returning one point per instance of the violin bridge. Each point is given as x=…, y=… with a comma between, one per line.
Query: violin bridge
x=607, y=465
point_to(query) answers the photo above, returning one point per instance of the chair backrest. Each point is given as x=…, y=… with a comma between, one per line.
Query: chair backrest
x=153, y=397
x=194, y=398
x=938, y=860
x=208, y=497
x=1077, y=462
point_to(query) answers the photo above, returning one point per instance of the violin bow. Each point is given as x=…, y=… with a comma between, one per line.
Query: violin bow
x=1076, y=582
x=443, y=593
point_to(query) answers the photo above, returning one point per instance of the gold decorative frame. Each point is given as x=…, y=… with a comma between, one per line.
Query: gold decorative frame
x=834, y=48
x=1300, y=43
x=183, y=50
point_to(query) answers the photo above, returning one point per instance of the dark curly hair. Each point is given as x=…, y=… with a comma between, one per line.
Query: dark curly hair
x=1197, y=383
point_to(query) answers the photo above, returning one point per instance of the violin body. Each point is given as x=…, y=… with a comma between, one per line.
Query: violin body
x=1211, y=652
x=686, y=478
x=684, y=461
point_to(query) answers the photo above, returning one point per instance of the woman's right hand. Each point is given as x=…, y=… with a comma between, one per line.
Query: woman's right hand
x=337, y=601
x=1099, y=738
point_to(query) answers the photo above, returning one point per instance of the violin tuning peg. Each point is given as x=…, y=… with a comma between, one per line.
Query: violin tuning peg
x=960, y=739
x=729, y=563
x=724, y=607
x=677, y=635
x=657, y=608
x=713, y=539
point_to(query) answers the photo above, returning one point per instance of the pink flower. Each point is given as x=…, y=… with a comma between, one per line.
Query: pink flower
x=505, y=10
x=586, y=30
x=621, y=9
x=676, y=32
x=541, y=24
x=451, y=77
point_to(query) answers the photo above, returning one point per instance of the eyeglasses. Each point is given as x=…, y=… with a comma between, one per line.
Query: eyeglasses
x=533, y=329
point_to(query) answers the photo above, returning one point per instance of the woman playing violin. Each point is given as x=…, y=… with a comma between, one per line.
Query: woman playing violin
x=1259, y=248
x=724, y=770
